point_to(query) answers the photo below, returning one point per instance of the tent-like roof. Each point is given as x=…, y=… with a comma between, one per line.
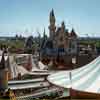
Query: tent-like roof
x=36, y=70
x=25, y=81
x=28, y=85
x=86, y=78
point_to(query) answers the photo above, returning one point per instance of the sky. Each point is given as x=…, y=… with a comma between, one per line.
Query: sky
x=27, y=17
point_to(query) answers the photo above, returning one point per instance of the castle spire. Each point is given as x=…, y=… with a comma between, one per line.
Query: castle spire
x=44, y=35
x=52, y=12
x=44, y=32
x=52, y=16
x=73, y=34
x=52, y=26
x=63, y=25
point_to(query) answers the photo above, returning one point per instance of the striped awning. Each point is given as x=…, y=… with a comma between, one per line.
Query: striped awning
x=86, y=78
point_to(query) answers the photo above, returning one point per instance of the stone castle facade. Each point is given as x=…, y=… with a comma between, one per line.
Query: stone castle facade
x=60, y=42
x=60, y=36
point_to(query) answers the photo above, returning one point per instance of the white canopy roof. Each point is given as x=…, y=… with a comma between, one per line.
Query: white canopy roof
x=25, y=81
x=28, y=85
x=15, y=68
x=86, y=78
x=5, y=57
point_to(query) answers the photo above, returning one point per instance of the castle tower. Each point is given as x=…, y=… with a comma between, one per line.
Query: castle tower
x=52, y=26
x=73, y=33
x=63, y=26
x=3, y=74
x=44, y=35
x=73, y=41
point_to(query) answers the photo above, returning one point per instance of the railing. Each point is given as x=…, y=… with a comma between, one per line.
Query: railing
x=25, y=81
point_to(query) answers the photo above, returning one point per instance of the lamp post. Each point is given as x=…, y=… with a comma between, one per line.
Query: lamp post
x=70, y=77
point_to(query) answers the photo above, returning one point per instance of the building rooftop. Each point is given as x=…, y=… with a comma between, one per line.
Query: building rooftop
x=86, y=78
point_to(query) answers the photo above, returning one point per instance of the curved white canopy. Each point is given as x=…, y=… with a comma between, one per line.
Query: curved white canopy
x=28, y=85
x=86, y=78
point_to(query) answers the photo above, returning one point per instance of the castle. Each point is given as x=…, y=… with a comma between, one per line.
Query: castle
x=60, y=36
x=61, y=42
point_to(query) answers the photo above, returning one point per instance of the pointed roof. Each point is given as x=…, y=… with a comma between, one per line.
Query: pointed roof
x=63, y=24
x=52, y=12
x=44, y=39
x=44, y=32
x=66, y=32
x=72, y=33
x=58, y=29
x=2, y=62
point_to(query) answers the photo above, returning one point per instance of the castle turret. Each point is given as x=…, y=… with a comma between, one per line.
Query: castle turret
x=63, y=26
x=73, y=33
x=44, y=35
x=52, y=26
x=3, y=74
x=73, y=42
